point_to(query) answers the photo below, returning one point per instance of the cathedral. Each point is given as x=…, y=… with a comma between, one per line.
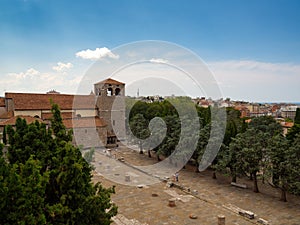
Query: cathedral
x=97, y=119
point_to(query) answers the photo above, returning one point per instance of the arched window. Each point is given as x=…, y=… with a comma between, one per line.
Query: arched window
x=109, y=92
x=118, y=91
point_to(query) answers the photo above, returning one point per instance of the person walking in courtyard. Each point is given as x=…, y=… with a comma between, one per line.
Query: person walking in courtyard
x=177, y=176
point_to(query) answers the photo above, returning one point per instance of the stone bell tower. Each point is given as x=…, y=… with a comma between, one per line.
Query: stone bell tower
x=110, y=103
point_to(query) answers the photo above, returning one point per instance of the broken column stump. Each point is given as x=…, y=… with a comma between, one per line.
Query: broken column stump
x=193, y=216
x=172, y=202
x=262, y=221
x=221, y=220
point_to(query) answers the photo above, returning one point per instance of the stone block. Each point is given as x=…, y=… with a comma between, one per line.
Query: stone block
x=172, y=202
x=262, y=221
x=221, y=220
x=239, y=185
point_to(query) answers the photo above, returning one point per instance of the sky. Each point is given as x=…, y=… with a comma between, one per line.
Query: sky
x=251, y=48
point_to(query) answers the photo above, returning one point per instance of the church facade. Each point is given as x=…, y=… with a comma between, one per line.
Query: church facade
x=97, y=119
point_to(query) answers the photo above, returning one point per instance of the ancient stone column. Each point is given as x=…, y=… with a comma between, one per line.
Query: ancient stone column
x=221, y=220
x=172, y=202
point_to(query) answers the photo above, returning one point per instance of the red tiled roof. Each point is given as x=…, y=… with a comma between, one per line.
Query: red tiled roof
x=84, y=122
x=64, y=115
x=241, y=107
x=287, y=124
x=248, y=120
x=110, y=81
x=2, y=102
x=29, y=101
x=12, y=120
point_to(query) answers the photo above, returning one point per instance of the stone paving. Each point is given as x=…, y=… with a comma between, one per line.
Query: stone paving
x=141, y=202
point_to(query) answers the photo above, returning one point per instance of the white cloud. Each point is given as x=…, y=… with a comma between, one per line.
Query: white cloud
x=32, y=71
x=62, y=66
x=238, y=79
x=28, y=74
x=257, y=81
x=252, y=65
x=40, y=82
x=98, y=53
x=158, y=60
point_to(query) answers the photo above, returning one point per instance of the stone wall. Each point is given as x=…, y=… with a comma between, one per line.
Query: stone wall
x=85, y=112
x=112, y=110
x=32, y=113
x=90, y=137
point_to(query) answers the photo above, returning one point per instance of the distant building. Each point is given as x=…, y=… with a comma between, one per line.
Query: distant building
x=96, y=119
x=245, y=112
x=288, y=111
x=110, y=106
x=286, y=126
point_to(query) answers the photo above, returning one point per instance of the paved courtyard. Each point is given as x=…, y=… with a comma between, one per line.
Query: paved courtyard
x=142, y=198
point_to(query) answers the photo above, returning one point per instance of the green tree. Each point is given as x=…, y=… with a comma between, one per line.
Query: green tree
x=154, y=110
x=230, y=158
x=167, y=109
x=139, y=107
x=225, y=158
x=172, y=136
x=231, y=132
x=294, y=153
x=204, y=115
x=297, y=116
x=204, y=135
x=293, y=132
x=249, y=148
x=279, y=164
x=139, y=128
x=4, y=135
x=88, y=155
x=221, y=162
x=26, y=140
x=59, y=129
x=47, y=181
x=22, y=195
x=266, y=124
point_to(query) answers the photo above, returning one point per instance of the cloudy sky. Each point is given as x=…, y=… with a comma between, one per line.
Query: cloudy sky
x=252, y=48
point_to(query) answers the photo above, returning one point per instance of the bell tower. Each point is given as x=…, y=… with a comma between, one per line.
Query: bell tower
x=110, y=103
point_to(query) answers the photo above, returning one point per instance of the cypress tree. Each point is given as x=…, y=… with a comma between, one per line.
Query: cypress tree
x=4, y=136
x=47, y=181
x=297, y=117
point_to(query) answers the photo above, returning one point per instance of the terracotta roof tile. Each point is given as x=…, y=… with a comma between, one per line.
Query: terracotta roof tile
x=29, y=101
x=12, y=120
x=84, y=122
x=248, y=120
x=287, y=124
x=64, y=115
x=110, y=81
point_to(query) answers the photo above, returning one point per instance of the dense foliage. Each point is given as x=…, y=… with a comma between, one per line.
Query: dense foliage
x=45, y=180
x=257, y=149
x=297, y=116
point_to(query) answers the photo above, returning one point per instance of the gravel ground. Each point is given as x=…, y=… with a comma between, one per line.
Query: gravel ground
x=141, y=202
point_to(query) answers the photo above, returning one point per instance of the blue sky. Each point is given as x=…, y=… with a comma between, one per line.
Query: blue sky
x=252, y=47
